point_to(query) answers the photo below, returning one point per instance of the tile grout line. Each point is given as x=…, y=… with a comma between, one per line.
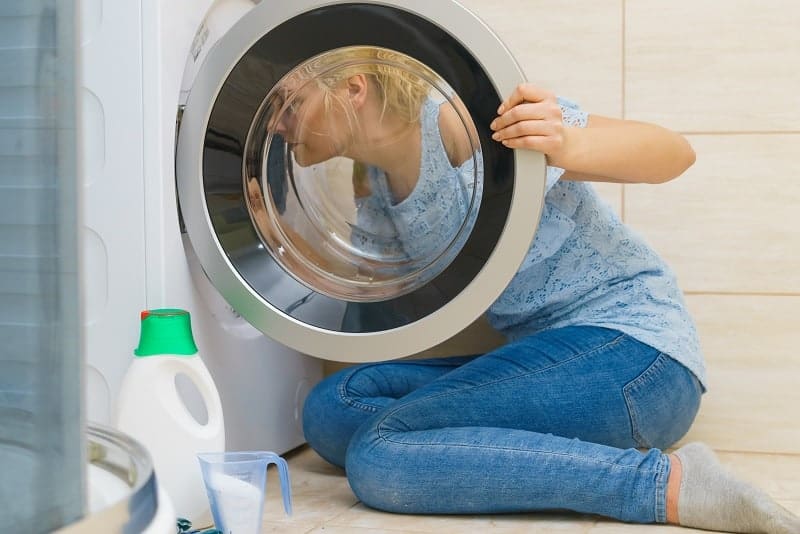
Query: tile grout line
x=623, y=43
x=740, y=132
x=330, y=521
x=694, y=293
x=758, y=453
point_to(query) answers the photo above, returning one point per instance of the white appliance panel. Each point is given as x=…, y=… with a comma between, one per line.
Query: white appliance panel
x=133, y=57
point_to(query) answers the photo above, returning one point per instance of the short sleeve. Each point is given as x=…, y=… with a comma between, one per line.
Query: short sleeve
x=572, y=115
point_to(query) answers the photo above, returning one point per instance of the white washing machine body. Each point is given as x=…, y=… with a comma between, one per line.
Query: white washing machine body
x=133, y=55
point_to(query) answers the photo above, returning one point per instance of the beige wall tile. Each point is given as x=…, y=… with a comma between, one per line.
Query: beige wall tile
x=610, y=193
x=573, y=48
x=748, y=331
x=750, y=344
x=750, y=410
x=732, y=222
x=724, y=65
x=477, y=338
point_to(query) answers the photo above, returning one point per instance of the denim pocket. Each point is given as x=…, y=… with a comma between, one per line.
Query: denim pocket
x=662, y=403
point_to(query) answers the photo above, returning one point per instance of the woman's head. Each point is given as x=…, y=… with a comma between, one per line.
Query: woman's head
x=328, y=103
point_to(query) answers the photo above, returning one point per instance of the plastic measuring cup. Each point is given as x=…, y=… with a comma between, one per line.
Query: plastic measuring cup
x=235, y=483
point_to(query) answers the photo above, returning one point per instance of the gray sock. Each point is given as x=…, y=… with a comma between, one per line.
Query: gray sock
x=713, y=498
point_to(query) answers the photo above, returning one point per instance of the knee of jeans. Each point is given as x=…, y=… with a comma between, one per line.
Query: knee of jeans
x=312, y=407
x=368, y=464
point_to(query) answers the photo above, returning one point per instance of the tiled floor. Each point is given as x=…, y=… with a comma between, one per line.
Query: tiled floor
x=323, y=503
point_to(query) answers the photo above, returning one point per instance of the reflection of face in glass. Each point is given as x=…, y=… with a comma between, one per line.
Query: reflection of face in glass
x=351, y=102
x=314, y=123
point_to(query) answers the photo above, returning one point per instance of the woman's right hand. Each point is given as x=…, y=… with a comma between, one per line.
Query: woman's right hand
x=531, y=118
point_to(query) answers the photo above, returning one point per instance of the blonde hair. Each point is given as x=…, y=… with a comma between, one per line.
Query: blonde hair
x=403, y=83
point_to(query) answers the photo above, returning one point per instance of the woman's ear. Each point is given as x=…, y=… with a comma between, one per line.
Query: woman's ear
x=357, y=88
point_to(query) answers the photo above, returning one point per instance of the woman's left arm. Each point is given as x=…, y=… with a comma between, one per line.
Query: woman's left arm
x=607, y=150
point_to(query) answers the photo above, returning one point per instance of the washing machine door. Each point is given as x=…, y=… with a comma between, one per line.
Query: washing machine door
x=338, y=180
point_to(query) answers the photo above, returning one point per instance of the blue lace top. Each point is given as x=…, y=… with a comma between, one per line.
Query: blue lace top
x=585, y=267
x=423, y=224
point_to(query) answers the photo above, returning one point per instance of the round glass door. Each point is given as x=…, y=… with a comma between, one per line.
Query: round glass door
x=363, y=174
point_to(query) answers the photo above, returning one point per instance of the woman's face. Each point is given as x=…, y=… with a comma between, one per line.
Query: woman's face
x=315, y=132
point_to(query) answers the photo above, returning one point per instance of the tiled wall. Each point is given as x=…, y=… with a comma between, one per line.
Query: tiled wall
x=726, y=73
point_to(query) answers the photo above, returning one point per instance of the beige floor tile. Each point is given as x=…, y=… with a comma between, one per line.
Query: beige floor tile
x=319, y=491
x=362, y=517
x=778, y=475
x=330, y=529
x=731, y=223
x=713, y=66
x=572, y=48
x=288, y=526
x=793, y=506
x=611, y=527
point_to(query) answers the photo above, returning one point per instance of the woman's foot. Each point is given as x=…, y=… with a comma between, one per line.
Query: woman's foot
x=701, y=493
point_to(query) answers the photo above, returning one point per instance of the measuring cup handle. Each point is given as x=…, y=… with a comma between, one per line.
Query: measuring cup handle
x=283, y=472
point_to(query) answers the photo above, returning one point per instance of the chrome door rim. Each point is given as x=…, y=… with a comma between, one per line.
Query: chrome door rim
x=508, y=253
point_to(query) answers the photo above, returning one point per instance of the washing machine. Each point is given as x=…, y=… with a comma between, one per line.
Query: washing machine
x=201, y=192
x=132, y=59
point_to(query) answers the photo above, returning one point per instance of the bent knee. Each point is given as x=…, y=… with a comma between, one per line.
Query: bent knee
x=367, y=474
x=315, y=406
x=319, y=428
x=376, y=474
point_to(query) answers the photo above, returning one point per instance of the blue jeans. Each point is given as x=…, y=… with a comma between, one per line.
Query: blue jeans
x=550, y=421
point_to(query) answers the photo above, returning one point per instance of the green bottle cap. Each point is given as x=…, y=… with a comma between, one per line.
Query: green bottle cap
x=166, y=331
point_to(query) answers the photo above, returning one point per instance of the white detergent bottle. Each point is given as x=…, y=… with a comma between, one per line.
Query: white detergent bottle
x=151, y=410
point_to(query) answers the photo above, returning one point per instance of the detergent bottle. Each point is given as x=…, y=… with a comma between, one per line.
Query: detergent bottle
x=151, y=410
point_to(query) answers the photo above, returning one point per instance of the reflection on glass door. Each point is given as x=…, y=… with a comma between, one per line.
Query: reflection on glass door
x=382, y=173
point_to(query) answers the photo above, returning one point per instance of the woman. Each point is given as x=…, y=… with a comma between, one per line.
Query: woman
x=602, y=369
